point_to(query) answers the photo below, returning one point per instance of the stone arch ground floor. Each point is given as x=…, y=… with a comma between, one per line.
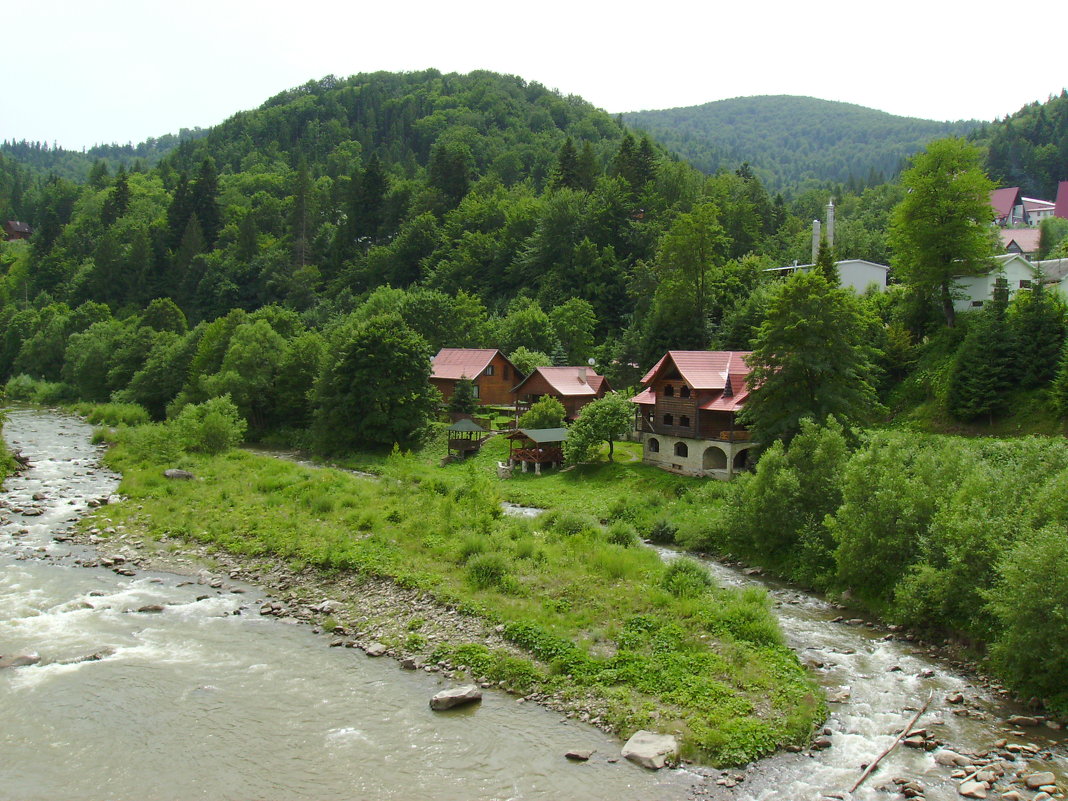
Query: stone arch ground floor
x=696, y=457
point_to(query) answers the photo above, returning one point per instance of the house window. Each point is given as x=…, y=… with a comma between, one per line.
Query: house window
x=474, y=390
x=507, y=372
x=654, y=445
x=1025, y=284
x=669, y=391
x=684, y=391
x=681, y=449
x=684, y=421
x=669, y=420
x=977, y=303
x=489, y=370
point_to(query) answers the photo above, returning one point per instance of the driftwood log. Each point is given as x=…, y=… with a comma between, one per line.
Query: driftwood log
x=868, y=771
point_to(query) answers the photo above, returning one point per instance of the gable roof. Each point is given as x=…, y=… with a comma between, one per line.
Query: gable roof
x=1053, y=270
x=540, y=435
x=702, y=369
x=466, y=425
x=1060, y=206
x=456, y=363
x=568, y=381
x=1031, y=204
x=1026, y=239
x=1003, y=200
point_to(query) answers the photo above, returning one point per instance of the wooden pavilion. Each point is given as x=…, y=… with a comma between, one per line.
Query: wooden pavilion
x=465, y=437
x=536, y=446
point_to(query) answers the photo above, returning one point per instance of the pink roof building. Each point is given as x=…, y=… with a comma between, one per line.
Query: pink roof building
x=1060, y=206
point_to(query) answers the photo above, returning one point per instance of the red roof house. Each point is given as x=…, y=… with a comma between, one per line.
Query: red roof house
x=488, y=369
x=687, y=412
x=572, y=386
x=1020, y=240
x=1008, y=206
x=1060, y=206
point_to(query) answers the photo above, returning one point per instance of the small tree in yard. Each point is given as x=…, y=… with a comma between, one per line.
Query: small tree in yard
x=603, y=420
x=547, y=412
x=463, y=397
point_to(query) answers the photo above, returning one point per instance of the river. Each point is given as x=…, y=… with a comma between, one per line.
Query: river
x=208, y=700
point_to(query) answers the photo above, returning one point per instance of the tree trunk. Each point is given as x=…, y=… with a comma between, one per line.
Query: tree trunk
x=947, y=306
x=611, y=445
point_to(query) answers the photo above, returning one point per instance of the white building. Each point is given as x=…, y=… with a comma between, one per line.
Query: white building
x=973, y=291
x=855, y=274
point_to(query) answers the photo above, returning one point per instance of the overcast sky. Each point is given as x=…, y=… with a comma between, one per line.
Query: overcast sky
x=82, y=72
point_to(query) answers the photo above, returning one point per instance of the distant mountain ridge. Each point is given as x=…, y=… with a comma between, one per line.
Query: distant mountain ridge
x=792, y=142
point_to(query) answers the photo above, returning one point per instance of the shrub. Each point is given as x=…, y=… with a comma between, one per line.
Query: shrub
x=685, y=578
x=35, y=390
x=211, y=427
x=570, y=523
x=621, y=533
x=487, y=570
x=663, y=531
x=114, y=414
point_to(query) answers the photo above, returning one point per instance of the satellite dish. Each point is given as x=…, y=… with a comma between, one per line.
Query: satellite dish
x=591, y=361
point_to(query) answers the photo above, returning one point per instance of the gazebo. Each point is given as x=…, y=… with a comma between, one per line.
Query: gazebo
x=465, y=436
x=536, y=446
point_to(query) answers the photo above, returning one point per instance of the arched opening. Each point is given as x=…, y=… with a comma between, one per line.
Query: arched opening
x=715, y=459
x=741, y=460
x=681, y=449
x=653, y=444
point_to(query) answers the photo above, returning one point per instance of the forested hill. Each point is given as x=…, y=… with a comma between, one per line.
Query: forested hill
x=793, y=143
x=1029, y=149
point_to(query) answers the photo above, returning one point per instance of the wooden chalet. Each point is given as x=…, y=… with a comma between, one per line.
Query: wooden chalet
x=536, y=446
x=687, y=413
x=488, y=369
x=13, y=229
x=574, y=387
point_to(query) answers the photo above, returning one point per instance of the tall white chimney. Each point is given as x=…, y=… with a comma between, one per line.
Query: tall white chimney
x=815, y=240
x=830, y=223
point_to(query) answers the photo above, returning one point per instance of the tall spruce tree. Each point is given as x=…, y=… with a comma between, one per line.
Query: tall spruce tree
x=982, y=373
x=205, y=201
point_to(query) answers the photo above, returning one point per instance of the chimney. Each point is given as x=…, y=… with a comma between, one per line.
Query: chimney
x=582, y=375
x=815, y=240
x=830, y=223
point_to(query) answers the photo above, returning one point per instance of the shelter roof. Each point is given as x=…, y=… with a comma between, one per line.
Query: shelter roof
x=456, y=363
x=466, y=424
x=1034, y=204
x=541, y=435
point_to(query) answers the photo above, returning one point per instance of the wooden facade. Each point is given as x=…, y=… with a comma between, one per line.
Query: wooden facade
x=687, y=414
x=489, y=370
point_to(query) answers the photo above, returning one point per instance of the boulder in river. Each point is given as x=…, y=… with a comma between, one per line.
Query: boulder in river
x=951, y=759
x=972, y=789
x=650, y=750
x=174, y=472
x=579, y=754
x=1036, y=780
x=456, y=696
x=375, y=649
x=19, y=660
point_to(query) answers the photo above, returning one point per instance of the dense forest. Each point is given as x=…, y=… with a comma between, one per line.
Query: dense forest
x=1029, y=149
x=794, y=143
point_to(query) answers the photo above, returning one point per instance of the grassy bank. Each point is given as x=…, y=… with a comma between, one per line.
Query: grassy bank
x=589, y=610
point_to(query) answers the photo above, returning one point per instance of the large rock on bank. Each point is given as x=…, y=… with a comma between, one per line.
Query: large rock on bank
x=650, y=750
x=455, y=696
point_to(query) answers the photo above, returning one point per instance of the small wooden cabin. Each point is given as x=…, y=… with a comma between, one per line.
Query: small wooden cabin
x=574, y=387
x=488, y=369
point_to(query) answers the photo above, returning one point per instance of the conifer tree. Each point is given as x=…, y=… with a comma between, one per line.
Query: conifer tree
x=1036, y=321
x=587, y=168
x=825, y=263
x=118, y=199
x=982, y=372
x=463, y=397
x=204, y=201
x=566, y=171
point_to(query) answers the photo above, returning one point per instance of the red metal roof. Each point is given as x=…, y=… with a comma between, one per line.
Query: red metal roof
x=1060, y=207
x=456, y=363
x=568, y=381
x=1003, y=200
x=702, y=369
x=719, y=375
x=646, y=396
x=1026, y=239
